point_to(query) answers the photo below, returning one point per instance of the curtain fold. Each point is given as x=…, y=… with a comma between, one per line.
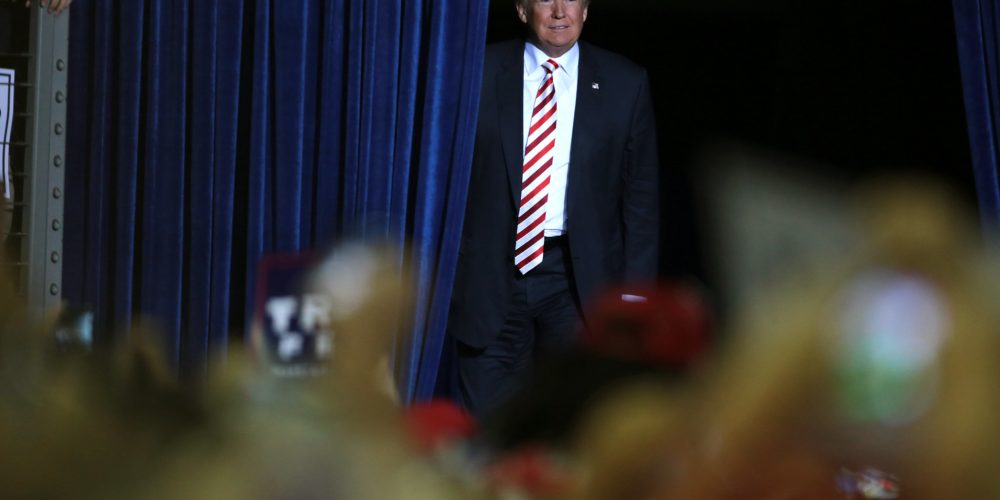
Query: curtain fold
x=977, y=27
x=205, y=135
x=438, y=218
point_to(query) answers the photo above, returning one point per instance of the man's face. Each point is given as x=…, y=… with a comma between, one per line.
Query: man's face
x=555, y=23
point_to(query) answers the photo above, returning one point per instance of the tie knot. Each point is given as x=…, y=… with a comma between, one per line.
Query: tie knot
x=550, y=66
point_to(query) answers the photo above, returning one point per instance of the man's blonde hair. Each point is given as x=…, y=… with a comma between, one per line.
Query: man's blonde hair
x=524, y=3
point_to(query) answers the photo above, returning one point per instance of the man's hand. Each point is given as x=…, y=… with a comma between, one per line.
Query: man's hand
x=54, y=6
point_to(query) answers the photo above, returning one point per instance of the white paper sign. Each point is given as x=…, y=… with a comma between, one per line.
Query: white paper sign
x=6, y=122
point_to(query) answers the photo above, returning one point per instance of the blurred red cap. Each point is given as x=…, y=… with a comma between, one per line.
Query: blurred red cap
x=667, y=324
x=531, y=470
x=437, y=422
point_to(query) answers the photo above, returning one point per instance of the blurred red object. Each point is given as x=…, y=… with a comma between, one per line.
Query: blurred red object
x=529, y=472
x=436, y=423
x=667, y=325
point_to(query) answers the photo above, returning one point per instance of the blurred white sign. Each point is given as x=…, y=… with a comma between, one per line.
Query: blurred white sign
x=6, y=122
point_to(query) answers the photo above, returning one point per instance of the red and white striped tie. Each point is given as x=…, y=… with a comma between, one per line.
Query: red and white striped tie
x=529, y=246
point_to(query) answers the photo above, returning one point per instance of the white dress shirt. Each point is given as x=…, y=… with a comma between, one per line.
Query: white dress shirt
x=564, y=80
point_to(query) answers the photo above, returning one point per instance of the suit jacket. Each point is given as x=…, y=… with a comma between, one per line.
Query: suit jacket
x=612, y=205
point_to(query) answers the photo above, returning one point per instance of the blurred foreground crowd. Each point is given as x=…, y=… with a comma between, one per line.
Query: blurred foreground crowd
x=871, y=376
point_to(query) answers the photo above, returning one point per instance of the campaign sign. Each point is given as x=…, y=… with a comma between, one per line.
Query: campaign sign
x=292, y=324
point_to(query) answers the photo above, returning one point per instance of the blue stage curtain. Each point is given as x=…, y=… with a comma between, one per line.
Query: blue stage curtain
x=977, y=25
x=203, y=135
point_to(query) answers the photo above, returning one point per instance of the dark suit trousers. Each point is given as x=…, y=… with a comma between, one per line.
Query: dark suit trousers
x=543, y=317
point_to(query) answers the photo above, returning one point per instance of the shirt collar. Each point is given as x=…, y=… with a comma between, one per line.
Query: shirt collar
x=534, y=57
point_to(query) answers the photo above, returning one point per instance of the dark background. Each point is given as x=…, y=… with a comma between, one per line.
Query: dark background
x=854, y=87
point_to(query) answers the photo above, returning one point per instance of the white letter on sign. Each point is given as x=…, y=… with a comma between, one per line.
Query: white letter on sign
x=315, y=313
x=281, y=310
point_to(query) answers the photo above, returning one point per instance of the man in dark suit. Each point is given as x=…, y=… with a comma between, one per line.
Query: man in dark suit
x=563, y=199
